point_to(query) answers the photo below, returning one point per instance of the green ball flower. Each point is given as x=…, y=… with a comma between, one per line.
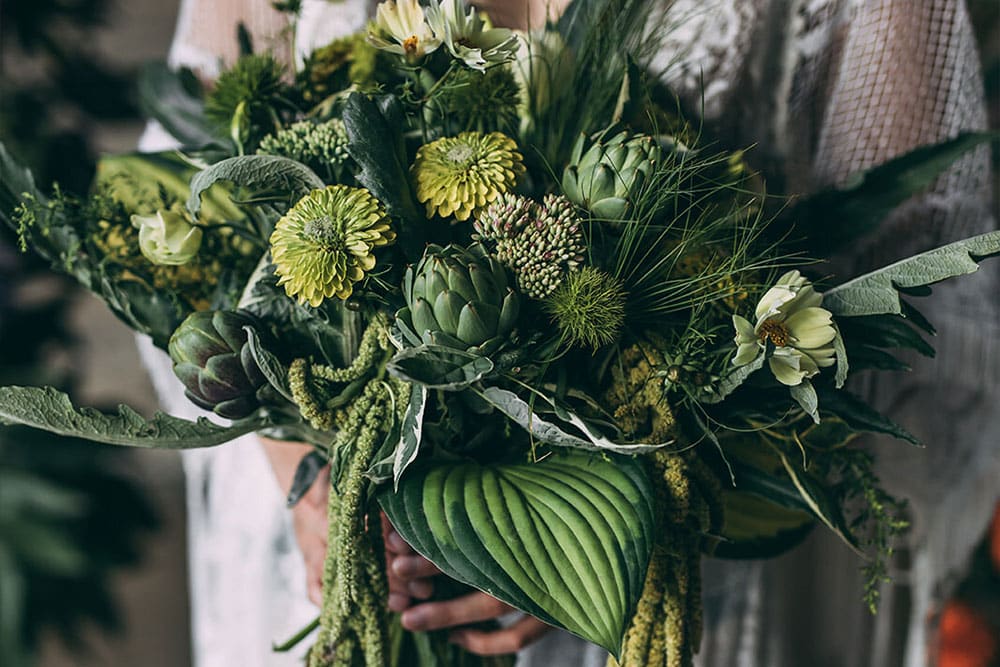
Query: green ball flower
x=588, y=308
x=459, y=175
x=326, y=242
x=790, y=321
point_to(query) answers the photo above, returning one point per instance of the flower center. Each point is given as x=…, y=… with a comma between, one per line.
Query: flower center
x=461, y=154
x=410, y=45
x=325, y=232
x=774, y=331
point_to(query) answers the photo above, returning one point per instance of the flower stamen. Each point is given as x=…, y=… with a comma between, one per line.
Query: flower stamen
x=774, y=331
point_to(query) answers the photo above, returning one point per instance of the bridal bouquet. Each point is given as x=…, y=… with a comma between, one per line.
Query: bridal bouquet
x=516, y=302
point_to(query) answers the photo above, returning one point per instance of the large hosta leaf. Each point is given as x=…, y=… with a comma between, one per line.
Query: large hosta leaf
x=566, y=539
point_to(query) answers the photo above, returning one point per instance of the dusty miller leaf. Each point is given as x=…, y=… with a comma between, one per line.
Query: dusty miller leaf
x=53, y=411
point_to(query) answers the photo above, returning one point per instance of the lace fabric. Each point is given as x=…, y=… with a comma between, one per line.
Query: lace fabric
x=823, y=89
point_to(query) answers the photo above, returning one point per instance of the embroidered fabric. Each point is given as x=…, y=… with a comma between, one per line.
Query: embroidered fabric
x=823, y=89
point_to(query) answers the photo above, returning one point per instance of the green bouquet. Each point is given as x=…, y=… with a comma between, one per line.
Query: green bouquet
x=515, y=301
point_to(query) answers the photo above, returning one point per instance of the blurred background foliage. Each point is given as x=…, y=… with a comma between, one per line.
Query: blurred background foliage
x=71, y=513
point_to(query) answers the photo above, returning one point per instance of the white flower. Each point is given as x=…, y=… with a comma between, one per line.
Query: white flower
x=405, y=22
x=470, y=37
x=790, y=319
x=167, y=238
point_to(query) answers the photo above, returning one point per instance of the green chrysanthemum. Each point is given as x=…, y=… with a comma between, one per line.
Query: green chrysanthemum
x=326, y=242
x=588, y=307
x=458, y=175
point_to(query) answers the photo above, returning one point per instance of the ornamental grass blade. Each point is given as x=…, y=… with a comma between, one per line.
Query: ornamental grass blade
x=53, y=411
x=566, y=539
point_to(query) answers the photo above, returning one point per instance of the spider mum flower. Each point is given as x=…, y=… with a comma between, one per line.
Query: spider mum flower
x=326, y=242
x=790, y=319
x=458, y=175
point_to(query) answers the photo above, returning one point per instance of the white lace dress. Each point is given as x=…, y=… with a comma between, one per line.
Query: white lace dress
x=824, y=88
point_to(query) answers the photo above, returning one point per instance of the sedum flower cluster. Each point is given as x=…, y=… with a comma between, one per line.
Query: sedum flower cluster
x=322, y=146
x=791, y=323
x=540, y=243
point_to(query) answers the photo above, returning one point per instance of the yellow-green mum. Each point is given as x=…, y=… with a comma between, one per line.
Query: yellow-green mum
x=326, y=242
x=461, y=174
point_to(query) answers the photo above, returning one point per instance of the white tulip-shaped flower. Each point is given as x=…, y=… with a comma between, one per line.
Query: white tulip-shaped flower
x=790, y=319
x=167, y=238
x=405, y=23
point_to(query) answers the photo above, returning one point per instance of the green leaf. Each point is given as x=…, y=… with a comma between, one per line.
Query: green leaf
x=756, y=527
x=566, y=539
x=832, y=218
x=860, y=416
x=410, y=433
x=736, y=377
x=376, y=144
x=877, y=292
x=887, y=331
x=811, y=496
x=805, y=395
x=840, y=349
x=51, y=410
x=270, y=366
x=15, y=182
x=305, y=476
x=171, y=97
x=439, y=367
x=522, y=414
x=258, y=173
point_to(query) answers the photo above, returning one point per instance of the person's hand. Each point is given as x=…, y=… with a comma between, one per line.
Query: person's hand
x=411, y=581
x=311, y=529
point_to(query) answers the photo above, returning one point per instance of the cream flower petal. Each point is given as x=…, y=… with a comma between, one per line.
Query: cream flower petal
x=786, y=365
x=811, y=327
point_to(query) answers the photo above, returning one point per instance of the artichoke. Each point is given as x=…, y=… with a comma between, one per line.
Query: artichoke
x=606, y=173
x=213, y=360
x=460, y=298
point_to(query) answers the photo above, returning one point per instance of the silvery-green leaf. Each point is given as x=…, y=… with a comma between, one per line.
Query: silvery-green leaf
x=270, y=366
x=566, y=539
x=877, y=292
x=261, y=173
x=734, y=379
x=52, y=411
x=805, y=395
x=439, y=367
x=410, y=433
x=522, y=414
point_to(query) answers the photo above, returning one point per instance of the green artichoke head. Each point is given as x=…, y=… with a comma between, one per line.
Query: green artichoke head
x=213, y=360
x=460, y=298
x=608, y=170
